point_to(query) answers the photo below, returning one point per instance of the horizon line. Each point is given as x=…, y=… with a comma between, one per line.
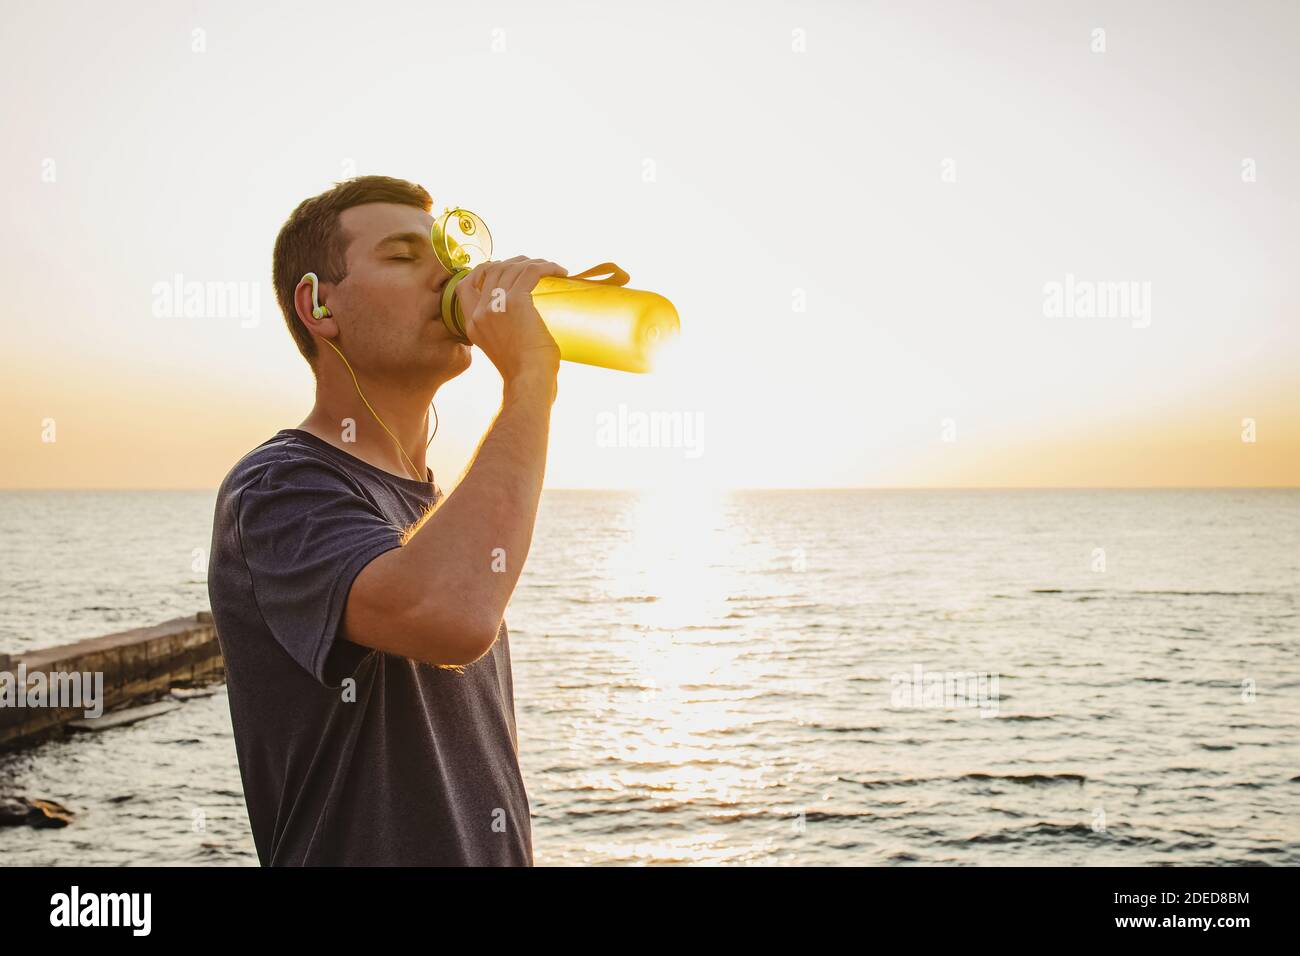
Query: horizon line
x=214, y=488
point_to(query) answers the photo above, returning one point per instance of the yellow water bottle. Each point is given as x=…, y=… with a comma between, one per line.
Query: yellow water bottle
x=593, y=318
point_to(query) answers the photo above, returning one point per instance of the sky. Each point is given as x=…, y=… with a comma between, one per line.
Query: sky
x=892, y=231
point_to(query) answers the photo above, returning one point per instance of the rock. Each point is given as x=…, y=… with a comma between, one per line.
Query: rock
x=42, y=814
x=120, y=718
x=46, y=814
x=13, y=811
x=188, y=693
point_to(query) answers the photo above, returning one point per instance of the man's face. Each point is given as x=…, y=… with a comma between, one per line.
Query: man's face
x=389, y=306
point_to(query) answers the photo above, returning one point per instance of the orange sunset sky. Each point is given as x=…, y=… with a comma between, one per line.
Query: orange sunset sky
x=860, y=214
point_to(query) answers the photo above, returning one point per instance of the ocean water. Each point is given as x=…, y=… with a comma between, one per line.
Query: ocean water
x=726, y=679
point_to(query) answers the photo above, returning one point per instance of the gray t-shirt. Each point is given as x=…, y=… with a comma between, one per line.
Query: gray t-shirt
x=421, y=767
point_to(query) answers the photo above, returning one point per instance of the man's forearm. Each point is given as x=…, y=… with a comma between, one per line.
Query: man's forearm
x=472, y=547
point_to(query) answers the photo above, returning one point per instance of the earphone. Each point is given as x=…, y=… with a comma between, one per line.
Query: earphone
x=319, y=311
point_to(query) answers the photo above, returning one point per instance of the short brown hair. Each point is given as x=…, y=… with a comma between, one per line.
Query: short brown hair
x=311, y=241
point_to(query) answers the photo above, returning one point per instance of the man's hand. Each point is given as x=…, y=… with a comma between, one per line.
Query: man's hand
x=497, y=301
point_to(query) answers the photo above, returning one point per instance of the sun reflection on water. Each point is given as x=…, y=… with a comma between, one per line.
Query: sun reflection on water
x=685, y=681
x=678, y=555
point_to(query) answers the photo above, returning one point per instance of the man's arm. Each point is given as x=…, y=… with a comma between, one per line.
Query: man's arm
x=438, y=598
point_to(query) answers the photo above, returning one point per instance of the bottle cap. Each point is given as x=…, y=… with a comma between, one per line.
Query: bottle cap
x=461, y=240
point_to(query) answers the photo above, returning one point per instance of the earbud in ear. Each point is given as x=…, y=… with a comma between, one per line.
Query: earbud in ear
x=318, y=311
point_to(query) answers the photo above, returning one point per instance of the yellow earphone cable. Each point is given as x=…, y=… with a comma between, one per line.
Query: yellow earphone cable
x=380, y=420
x=319, y=311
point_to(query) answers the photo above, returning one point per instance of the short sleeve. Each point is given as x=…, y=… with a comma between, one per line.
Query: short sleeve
x=306, y=531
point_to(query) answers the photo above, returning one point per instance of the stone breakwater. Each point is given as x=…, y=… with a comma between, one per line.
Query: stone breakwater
x=123, y=669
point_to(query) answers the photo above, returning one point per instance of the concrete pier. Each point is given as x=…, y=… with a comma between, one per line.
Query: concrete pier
x=137, y=665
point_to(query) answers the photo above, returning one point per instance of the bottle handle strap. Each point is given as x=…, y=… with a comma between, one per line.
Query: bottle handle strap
x=613, y=275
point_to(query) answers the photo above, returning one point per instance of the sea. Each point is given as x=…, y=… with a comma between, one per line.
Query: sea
x=839, y=677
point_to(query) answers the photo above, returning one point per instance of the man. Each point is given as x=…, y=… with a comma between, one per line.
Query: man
x=360, y=612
